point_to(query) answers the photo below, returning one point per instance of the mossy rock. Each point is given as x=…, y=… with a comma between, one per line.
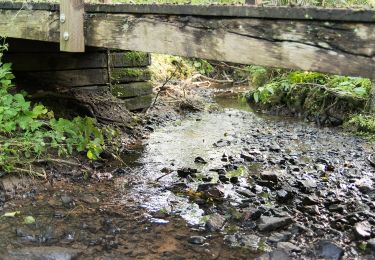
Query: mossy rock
x=133, y=89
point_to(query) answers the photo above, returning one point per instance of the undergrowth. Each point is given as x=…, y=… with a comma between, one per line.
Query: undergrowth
x=326, y=99
x=30, y=133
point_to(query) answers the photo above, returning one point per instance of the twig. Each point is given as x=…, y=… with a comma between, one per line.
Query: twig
x=214, y=80
x=29, y=171
x=60, y=161
x=162, y=86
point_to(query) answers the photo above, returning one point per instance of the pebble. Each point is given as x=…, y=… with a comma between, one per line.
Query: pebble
x=273, y=223
x=197, y=240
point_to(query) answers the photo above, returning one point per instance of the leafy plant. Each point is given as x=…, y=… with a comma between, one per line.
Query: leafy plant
x=29, y=131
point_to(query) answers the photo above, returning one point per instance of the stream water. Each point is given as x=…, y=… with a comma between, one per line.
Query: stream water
x=228, y=184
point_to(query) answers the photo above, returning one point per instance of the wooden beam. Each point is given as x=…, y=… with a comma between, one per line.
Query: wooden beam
x=239, y=11
x=339, y=48
x=72, y=37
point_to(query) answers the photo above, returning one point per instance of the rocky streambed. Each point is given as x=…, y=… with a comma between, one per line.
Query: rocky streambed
x=228, y=184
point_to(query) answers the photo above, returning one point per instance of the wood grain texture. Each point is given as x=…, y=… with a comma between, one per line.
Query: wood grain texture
x=334, y=47
x=62, y=79
x=72, y=38
x=339, y=48
x=133, y=89
x=270, y=12
x=41, y=61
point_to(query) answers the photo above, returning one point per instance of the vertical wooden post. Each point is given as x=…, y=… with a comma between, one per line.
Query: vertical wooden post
x=72, y=37
x=372, y=97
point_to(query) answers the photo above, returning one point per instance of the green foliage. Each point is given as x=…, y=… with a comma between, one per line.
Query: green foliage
x=202, y=66
x=362, y=124
x=30, y=131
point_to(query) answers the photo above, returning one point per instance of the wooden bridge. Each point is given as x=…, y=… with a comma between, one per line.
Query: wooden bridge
x=339, y=41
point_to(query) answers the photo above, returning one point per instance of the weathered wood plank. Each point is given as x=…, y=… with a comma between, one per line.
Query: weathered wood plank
x=340, y=48
x=298, y=13
x=138, y=103
x=48, y=61
x=27, y=24
x=126, y=75
x=41, y=61
x=62, y=79
x=129, y=59
x=72, y=38
x=133, y=89
x=332, y=47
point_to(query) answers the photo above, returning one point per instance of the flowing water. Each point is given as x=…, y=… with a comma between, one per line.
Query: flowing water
x=207, y=164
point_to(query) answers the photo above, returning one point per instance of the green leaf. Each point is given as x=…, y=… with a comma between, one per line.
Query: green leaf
x=11, y=214
x=28, y=220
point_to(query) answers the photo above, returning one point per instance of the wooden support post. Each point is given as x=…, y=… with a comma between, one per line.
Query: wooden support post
x=72, y=37
x=372, y=97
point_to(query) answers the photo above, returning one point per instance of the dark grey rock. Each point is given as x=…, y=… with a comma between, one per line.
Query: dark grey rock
x=273, y=223
x=310, y=200
x=328, y=250
x=66, y=200
x=363, y=230
x=200, y=160
x=245, y=241
x=44, y=253
x=279, y=237
x=371, y=246
x=215, y=223
x=269, y=176
x=275, y=255
x=288, y=247
x=197, y=240
x=284, y=196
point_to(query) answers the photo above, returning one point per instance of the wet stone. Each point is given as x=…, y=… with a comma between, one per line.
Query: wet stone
x=273, y=223
x=329, y=250
x=215, y=223
x=275, y=255
x=269, y=176
x=363, y=230
x=364, y=185
x=44, y=253
x=284, y=196
x=288, y=247
x=310, y=200
x=185, y=172
x=279, y=237
x=67, y=200
x=197, y=240
x=307, y=185
x=371, y=246
x=200, y=160
x=250, y=242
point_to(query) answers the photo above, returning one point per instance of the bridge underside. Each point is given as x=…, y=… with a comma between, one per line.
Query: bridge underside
x=43, y=71
x=332, y=41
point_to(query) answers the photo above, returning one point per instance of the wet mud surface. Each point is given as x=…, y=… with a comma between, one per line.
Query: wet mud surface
x=229, y=184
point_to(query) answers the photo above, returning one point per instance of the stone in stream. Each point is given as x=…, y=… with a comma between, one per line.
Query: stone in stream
x=307, y=185
x=364, y=185
x=310, y=200
x=197, y=240
x=273, y=223
x=288, y=247
x=200, y=160
x=371, y=246
x=215, y=222
x=284, y=196
x=250, y=242
x=275, y=255
x=363, y=230
x=328, y=250
x=280, y=237
x=185, y=172
x=44, y=253
x=269, y=176
x=247, y=157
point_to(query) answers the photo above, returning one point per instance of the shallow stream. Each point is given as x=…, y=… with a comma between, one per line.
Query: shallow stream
x=228, y=184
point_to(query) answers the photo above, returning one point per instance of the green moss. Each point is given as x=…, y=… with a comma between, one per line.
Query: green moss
x=135, y=57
